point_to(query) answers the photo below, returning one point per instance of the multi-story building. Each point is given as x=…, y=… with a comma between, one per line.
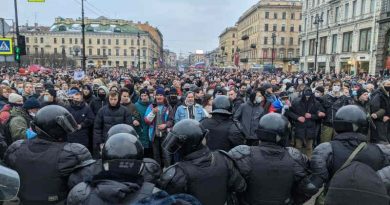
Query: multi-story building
x=383, y=46
x=170, y=59
x=108, y=43
x=227, y=46
x=212, y=58
x=347, y=35
x=268, y=32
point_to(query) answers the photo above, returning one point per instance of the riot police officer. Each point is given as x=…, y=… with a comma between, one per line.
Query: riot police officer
x=46, y=162
x=151, y=170
x=351, y=126
x=224, y=133
x=120, y=181
x=275, y=174
x=209, y=176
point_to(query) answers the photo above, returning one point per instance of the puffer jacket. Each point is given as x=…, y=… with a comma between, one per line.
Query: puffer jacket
x=107, y=117
x=332, y=104
x=182, y=113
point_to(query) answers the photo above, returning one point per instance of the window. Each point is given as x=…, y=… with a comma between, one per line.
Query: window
x=137, y=42
x=42, y=51
x=232, y=43
x=363, y=7
x=323, y=42
x=291, y=41
x=104, y=42
x=54, y=40
x=55, y=51
x=292, y=16
x=104, y=52
x=144, y=42
x=265, y=53
x=267, y=15
x=312, y=43
x=300, y=16
x=336, y=16
x=36, y=50
x=234, y=35
x=353, y=9
x=117, y=52
x=265, y=40
x=27, y=40
x=109, y=51
x=334, y=43
x=35, y=40
x=275, y=27
x=132, y=42
x=275, y=15
x=283, y=27
x=124, y=42
x=125, y=64
x=76, y=41
x=365, y=40
x=303, y=48
x=90, y=41
x=282, y=41
x=144, y=53
x=300, y=28
x=63, y=40
x=70, y=40
x=347, y=41
x=346, y=11
x=284, y=15
x=132, y=52
x=372, y=5
x=109, y=41
x=292, y=28
x=98, y=41
x=116, y=41
x=90, y=51
x=125, y=52
x=266, y=27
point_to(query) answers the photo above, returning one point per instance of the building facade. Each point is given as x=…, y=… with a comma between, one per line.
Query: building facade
x=170, y=59
x=108, y=43
x=227, y=46
x=347, y=36
x=383, y=46
x=256, y=28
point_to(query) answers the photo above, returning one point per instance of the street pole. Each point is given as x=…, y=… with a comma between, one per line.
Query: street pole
x=273, y=49
x=139, y=52
x=317, y=21
x=3, y=27
x=83, y=37
x=17, y=27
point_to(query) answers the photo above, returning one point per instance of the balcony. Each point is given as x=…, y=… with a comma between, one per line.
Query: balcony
x=245, y=37
x=253, y=45
x=290, y=59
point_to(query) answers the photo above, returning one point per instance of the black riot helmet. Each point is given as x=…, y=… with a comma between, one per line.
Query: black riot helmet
x=350, y=118
x=10, y=183
x=123, y=152
x=185, y=137
x=53, y=123
x=222, y=105
x=121, y=128
x=273, y=127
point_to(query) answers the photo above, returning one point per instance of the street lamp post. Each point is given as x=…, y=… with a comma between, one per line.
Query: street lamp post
x=17, y=27
x=318, y=20
x=273, y=48
x=83, y=36
x=139, y=52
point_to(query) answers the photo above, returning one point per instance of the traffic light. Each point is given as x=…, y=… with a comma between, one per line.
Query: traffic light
x=22, y=45
x=17, y=54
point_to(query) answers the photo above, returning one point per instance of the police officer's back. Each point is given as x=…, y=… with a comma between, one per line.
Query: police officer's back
x=46, y=162
x=209, y=176
x=275, y=174
x=224, y=133
x=150, y=171
x=351, y=125
x=120, y=181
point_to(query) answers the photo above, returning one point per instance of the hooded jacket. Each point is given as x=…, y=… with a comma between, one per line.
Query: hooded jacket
x=98, y=102
x=90, y=97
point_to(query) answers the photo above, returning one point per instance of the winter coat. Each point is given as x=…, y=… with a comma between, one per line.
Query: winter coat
x=84, y=117
x=107, y=117
x=97, y=103
x=236, y=103
x=90, y=97
x=19, y=123
x=182, y=113
x=300, y=106
x=248, y=116
x=380, y=105
x=166, y=118
x=3, y=101
x=332, y=104
x=143, y=132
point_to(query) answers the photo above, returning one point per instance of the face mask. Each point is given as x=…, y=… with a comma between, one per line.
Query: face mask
x=300, y=82
x=46, y=98
x=20, y=90
x=259, y=99
x=32, y=114
x=317, y=95
x=102, y=96
x=387, y=88
x=173, y=99
x=354, y=93
x=336, y=88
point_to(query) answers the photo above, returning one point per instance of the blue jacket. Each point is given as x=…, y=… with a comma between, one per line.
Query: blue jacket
x=183, y=113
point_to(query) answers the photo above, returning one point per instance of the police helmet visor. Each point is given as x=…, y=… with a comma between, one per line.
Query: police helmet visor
x=173, y=143
x=67, y=122
x=9, y=183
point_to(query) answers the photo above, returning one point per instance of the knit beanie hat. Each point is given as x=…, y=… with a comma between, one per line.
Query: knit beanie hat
x=160, y=91
x=360, y=92
x=320, y=89
x=14, y=98
x=31, y=103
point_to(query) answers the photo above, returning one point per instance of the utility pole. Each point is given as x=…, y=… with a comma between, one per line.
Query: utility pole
x=273, y=49
x=83, y=37
x=317, y=22
x=17, y=28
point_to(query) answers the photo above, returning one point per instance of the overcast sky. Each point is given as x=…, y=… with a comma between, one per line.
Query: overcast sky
x=187, y=25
